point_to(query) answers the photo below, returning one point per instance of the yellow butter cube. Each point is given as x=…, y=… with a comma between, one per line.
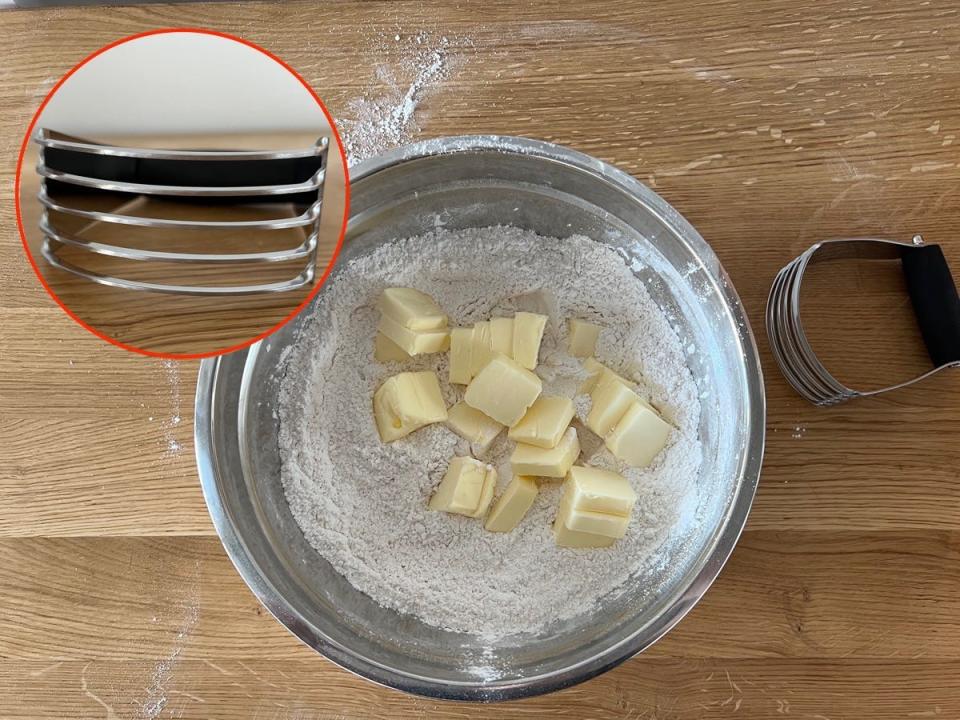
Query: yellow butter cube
x=527, y=335
x=461, y=345
x=546, y=462
x=545, y=422
x=600, y=491
x=501, y=336
x=466, y=489
x=594, y=368
x=481, y=350
x=565, y=537
x=582, y=337
x=587, y=521
x=595, y=508
x=412, y=309
x=638, y=436
x=386, y=350
x=512, y=505
x=611, y=399
x=503, y=390
x=414, y=342
x=407, y=402
x=472, y=425
x=597, y=370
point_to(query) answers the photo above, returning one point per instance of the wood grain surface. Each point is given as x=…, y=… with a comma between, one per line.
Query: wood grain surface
x=769, y=125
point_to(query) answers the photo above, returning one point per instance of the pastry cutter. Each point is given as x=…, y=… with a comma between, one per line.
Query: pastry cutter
x=932, y=291
x=80, y=177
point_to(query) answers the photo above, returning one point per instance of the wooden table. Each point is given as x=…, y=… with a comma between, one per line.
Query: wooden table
x=769, y=125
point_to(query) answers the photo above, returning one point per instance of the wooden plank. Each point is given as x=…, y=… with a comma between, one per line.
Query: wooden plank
x=783, y=594
x=644, y=688
x=96, y=440
x=138, y=477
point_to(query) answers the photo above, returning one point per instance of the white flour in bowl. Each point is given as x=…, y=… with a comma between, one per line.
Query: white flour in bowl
x=363, y=504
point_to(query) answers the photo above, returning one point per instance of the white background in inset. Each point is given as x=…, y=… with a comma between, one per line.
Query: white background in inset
x=182, y=83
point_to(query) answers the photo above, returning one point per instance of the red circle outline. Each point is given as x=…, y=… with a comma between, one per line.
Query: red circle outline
x=132, y=348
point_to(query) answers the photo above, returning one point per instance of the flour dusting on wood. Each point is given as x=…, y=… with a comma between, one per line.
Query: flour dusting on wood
x=386, y=116
x=157, y=691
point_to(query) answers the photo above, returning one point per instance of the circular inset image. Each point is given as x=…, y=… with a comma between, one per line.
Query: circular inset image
x=182, y=193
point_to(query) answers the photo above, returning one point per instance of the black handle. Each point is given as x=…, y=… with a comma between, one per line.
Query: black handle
x=207, y=173
x=935, y=301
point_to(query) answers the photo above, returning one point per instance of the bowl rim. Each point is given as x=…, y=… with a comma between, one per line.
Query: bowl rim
x=716, y=554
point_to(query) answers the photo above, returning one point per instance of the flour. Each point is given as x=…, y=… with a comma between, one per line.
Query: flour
x=157, y=693
x=384, y=117
x=362, y=504
x=169, y=441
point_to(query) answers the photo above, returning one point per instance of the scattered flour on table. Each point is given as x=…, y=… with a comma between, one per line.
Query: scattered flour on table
x=384, y=117
x=171, y=445
x=157, y=691
x=362, y=504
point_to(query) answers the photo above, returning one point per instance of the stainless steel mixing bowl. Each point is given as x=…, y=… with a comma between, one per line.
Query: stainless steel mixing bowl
x=471, y=182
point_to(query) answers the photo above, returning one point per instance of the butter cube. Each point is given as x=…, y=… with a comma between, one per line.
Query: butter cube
x=545, y=422
x=461, y=345
x=593, y=368
x=481, y=349
x=473, y=425
x=546, y=462
x=639, y=436
x=472, y=348
x=565, y=537
x=582, y=337
x=503, y=390
x=611, y=399
x=386, y=350
x=414, y=342
x=407, y=402
x=596, y=371
x=527, y=335
x=586, y=521
x=466, y=489
x=600, y=491
x=501, y=336
x=512, y=505
x=412, y=309
x=595, y=508
x=412, y=320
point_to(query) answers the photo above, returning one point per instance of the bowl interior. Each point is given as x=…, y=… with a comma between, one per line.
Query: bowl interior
x=554, y=193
